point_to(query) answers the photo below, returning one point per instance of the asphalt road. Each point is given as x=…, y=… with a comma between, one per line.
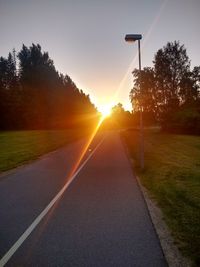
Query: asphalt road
x=100, y=220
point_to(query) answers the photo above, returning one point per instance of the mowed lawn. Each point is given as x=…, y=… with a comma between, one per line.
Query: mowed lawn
x=19, y=147
x=172, y=177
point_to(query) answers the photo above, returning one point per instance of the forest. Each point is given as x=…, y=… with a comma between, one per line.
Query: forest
x=34, y=95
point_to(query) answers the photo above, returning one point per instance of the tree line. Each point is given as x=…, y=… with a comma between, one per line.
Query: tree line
x=169, y=92
x=34, y=95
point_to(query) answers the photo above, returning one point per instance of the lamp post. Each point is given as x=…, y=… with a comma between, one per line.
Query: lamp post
x=132, y=38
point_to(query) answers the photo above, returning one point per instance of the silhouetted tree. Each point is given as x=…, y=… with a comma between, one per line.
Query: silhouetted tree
x=36, y=96
x=10, y=99
x=144, y=95
x=168, y=87
x=171, y=65
x=120, y=117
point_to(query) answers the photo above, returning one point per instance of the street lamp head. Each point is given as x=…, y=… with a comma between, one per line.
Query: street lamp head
x=133, y=37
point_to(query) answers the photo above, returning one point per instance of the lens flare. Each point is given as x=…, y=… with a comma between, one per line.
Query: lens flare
x=134, y=61
x=105, y=111
x=68, y=178
x=85, y=149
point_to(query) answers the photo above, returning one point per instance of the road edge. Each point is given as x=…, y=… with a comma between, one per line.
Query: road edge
x=26, y=163
x=171, y=253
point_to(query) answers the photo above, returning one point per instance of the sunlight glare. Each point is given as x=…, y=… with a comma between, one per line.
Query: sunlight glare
x=105, y=110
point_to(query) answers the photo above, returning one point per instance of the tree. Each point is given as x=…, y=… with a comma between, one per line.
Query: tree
x=9, y=92
x=171, y=66
x=188, y=88
x=36, y=96
x=118, y=109
x=143, y=95
x=3, y=86
x=161, y=90
x=196, y=80
x=120, y=118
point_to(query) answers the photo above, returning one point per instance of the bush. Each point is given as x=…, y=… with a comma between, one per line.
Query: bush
x=185, y=120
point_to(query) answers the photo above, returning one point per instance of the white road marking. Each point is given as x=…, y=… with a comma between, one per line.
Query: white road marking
x=29, y=230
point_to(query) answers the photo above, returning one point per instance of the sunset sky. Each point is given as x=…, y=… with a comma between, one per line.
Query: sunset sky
x=85, y=38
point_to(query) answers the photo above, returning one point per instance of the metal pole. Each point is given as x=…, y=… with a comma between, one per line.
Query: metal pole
x=141, y=119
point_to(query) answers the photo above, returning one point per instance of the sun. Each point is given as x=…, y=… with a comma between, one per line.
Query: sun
x=105, y=110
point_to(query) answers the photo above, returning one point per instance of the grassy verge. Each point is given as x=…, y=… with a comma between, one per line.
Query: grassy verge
x=172, y=178
x=18, y=147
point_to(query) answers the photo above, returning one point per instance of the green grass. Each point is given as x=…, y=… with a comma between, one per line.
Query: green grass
x=19, y=147
x=172, y=178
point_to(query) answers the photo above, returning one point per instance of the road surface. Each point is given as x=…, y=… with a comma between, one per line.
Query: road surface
x=99, y=219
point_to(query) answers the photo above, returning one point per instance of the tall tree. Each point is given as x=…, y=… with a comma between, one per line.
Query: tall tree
x=167, y=85
x=171, y=65
x=144, y=95
x=36, y=96
x=9, y=91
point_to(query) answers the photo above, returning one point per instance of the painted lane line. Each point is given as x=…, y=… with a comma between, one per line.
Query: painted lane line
x=29, y=230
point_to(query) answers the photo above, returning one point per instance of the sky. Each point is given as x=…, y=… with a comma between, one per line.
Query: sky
x=85, y=38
